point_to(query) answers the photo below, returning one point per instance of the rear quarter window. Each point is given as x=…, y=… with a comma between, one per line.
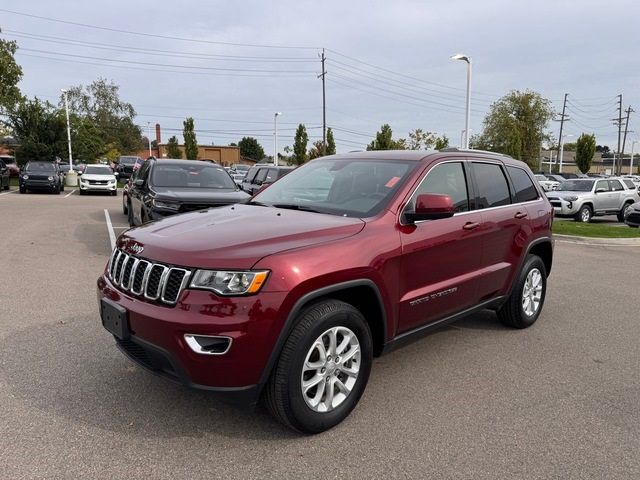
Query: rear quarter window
x=525, y=191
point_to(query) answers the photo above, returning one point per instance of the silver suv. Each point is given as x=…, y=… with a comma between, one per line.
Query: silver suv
x=582, y=198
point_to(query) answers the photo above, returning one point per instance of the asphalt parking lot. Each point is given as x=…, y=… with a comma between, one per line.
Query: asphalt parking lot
x=475, y=400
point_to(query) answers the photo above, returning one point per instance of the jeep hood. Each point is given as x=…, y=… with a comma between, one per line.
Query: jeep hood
x=235, y=236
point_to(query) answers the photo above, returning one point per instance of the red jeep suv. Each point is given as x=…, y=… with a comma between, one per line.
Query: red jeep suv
x=289, y=297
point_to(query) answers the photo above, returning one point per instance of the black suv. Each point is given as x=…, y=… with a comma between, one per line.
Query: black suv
x=4, y=175
x=127, y=165
x=261, y=175
x=166, y=187
x=41, y=176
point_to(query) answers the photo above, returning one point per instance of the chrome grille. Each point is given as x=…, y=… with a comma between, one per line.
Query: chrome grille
x=153, y=281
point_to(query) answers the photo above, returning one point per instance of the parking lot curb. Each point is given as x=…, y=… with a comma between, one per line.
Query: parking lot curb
x=598, y=240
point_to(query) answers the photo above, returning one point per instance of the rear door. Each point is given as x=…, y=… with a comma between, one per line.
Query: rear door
x=617, y=193
x=603, y=196
x=504, y=226
x=440, y=258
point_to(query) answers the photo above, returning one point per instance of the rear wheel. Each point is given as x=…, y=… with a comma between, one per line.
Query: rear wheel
x=524, y=305
x=584, y=214
x=323, y=368
x=125, y=210
x=625, y=209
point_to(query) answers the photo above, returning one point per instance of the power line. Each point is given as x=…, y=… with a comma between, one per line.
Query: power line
x=153, y=51
x=131, y=62
x=153, y=35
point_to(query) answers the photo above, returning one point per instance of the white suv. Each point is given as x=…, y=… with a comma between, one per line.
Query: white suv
x=98, y=178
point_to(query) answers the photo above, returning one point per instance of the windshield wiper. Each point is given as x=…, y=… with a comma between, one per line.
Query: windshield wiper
x=259, y=204
x=292, y=206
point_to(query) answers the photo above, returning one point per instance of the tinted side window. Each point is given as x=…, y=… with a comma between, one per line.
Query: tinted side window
x=262, y=174
x=493, y=189
x=143, y=171
x=629, y=184
x=272, y=175
x=522, y=184
x=602, y=185
x=447, y=179
x=615, y=185
x=250, y=175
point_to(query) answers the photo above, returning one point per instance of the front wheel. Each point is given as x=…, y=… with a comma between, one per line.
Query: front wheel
x=524, y=305
x=130, y=215
x=323, y=368
x=584, y=214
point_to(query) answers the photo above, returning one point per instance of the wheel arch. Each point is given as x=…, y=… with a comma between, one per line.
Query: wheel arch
x=362, y=294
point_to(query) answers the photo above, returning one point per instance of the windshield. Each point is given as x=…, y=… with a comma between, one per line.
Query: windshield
x=577, y=185
x=39, y=167
x=96, y=170
x=354, y=187
x=128, y=160
x=192, y=176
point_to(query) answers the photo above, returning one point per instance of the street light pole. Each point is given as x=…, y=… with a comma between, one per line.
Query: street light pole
x=467, y=59
x=275, y=137
x=560, y=154
x=66, y=108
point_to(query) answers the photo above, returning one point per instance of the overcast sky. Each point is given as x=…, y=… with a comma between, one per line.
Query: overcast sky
x=387, y=62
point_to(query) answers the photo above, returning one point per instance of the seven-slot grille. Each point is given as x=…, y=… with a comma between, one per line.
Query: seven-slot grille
x=153, y=281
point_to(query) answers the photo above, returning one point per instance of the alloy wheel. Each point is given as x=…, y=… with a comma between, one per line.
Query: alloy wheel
x=532, y=292
x=330, y=369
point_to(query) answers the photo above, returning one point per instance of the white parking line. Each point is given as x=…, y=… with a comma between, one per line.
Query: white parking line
x=112, y=235
x=69, y=194
x=7, y=193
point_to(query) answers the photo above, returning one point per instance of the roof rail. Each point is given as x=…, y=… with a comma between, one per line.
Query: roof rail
x=457, y=149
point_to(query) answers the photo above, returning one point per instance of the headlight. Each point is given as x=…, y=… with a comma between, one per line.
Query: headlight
x=229, y=283
x=50, y=179
x=166, y=205
x=572, y=198
x=25, y=177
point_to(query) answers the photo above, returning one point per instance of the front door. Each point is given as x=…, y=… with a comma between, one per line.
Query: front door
x=440, y=258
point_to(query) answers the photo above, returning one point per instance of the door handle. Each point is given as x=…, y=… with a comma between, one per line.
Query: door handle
x=520, y=215
x=470, y=225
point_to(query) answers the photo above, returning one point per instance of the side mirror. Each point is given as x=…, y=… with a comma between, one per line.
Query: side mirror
x=432, y=206
x=139, y=182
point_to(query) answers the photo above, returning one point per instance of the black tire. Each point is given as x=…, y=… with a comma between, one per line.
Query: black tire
x=125, y=209
x=62, y=187
x=6, y=187
x=284, y=397
x=57, y=190
x=621, y=212
x=512, y=313
x=81, y=192
x=114, y=193
x=23, y=190
x=584, y=215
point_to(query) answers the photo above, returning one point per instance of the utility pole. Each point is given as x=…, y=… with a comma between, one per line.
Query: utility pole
x=626, y=129
x=563, y=117
x=619, y=123
x=324, y=106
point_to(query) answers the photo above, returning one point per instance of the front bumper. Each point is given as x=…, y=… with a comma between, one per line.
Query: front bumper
x=562, y=207
x=88, y=187
x=633, y=218
x=38, y=185
x=157, y=341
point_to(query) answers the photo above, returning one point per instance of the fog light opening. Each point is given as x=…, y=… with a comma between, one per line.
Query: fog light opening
x=208, y=344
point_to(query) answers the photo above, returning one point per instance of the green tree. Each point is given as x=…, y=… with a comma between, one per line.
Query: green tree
x=40, y=129
x=114, y=118
x=316, y=150
x=250, y=148
x=440, y=143
x=10, y=75
x=300, y=145
x=173, y=148
x=87, y=143
x=190, y=142
x=585, y=150
x=384, y=140
x=331, y=143
x=515, y=126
